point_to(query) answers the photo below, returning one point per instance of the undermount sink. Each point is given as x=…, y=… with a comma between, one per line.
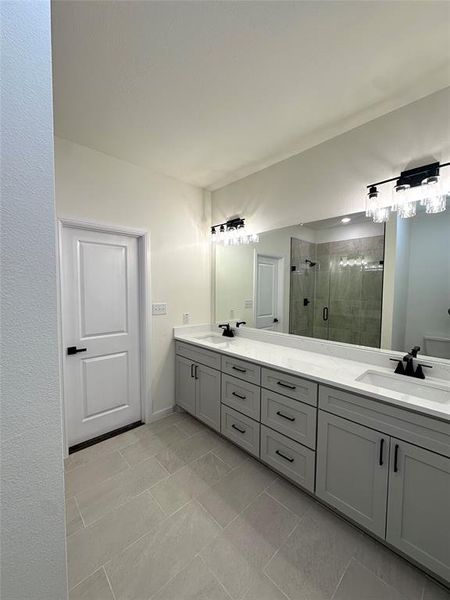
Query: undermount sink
x=214, y=339
x=428, y=390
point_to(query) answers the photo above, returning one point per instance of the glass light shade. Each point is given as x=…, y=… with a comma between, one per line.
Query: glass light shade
x=436, y=205
x=381, y=214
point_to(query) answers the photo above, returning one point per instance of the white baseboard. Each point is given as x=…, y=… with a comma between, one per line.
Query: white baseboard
x=160, y=414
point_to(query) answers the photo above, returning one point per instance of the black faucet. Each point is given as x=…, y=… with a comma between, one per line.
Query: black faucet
x=227, y=330
x=239, y=323
x=409, y=369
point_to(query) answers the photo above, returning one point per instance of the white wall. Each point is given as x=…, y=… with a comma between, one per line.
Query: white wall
x=331, y=178
x=33, y=553
x=97, y=187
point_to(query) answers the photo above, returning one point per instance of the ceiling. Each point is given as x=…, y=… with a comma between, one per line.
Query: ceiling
x=208, y=92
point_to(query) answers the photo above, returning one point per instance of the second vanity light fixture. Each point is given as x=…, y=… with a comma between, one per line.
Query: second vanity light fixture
x=421, y=185
x=233, y=233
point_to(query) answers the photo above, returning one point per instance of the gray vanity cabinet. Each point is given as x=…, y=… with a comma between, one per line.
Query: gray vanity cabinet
x=352, y=470
x=418, y=520
x=185, y=384
x=207, y=400
x=198, y=391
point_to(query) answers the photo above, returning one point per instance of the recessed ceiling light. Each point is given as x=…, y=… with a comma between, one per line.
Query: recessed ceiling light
x=346, y=220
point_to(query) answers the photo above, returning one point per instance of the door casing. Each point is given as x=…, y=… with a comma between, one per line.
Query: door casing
x=145, y=325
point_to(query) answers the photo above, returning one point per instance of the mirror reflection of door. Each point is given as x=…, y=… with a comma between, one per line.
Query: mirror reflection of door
x=267, y=292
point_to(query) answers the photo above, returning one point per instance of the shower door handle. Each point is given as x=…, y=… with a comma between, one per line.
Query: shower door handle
x=325, y=313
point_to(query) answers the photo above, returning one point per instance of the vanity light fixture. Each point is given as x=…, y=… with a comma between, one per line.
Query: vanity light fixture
x=232, y=233
x=421, y=185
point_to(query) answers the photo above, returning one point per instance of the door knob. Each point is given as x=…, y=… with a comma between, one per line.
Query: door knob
x=75, y=350
x=275, y=320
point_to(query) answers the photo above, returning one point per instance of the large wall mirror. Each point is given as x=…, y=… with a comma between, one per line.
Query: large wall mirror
x=344, y=279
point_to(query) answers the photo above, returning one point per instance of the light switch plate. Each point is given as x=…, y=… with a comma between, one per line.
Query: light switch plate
x=186, y=318
x=159, y=308
x=248, y=303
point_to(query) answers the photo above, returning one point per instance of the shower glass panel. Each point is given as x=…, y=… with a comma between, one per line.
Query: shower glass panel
x=336, y=289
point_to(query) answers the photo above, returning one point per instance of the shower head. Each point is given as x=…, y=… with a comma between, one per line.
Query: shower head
x=310, y=263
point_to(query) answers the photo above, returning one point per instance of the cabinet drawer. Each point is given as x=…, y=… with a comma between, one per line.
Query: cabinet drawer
x=290, y=417
x=398, y=422
x=242, y=396
x=242, y=369
x=240, y=429
x=286, y=456
x=200, y=355
x=289, y=385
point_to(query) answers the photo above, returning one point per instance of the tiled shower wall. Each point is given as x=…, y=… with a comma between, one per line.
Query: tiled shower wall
x=353, y=294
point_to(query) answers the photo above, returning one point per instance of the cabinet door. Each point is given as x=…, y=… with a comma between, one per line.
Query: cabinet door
x=207, y=404
x=185, y=384
x=352, y=470
x=419, y=506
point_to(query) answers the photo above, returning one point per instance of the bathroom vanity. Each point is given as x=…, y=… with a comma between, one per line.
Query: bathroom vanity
x=373, y=446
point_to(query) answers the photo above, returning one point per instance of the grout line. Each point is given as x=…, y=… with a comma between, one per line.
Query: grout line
x=208, y=514
x=109, y=583
x=341, y=578
x=79, y=512
x=275, y=584
x=213, y=575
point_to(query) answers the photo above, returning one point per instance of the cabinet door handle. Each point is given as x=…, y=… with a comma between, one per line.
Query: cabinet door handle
x=325, y=313
x=196, y=372
x=288, y=458
x=237, y=428
x=238, y=396
x=192, y=370
x=286, y=385
x=380, y=458
x=240, y=369
x=396, y=458
x=280, y=414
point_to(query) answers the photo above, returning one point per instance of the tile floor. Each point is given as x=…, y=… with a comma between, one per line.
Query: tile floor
x=171, y=511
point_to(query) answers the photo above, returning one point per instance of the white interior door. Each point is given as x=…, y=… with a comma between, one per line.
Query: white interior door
x=266, y=292
x=100, y=308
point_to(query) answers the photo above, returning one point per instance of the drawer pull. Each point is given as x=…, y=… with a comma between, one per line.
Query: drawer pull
x=286, y=385
x=280, y=414
x=240, y=369
x=380, y=459
x=237, y=428
x=238, y=396
x=288, y=458
x=396, y=458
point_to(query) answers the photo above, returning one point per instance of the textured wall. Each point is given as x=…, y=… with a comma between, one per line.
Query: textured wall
x=33, y=554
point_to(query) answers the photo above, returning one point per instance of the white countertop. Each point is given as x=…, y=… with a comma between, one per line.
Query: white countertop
x=322, y=368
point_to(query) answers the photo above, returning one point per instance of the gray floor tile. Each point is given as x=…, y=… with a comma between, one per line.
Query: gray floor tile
x=185, y=451
x=94, y=472
x=291, y=496
x=239, y=554
x=190, y=426
x=359, y=583
x=151, y=442
x=100, y=499
x=229, y=453
x=147, y=565
x=90, y=548
x=312, y=561
x=118, y=442
x=391, y=568
x=195, y=582
x=264, y=589
x=433, y=591
x=235, y=491
x=189, y=482
x=95, y=587
x=74, y=522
